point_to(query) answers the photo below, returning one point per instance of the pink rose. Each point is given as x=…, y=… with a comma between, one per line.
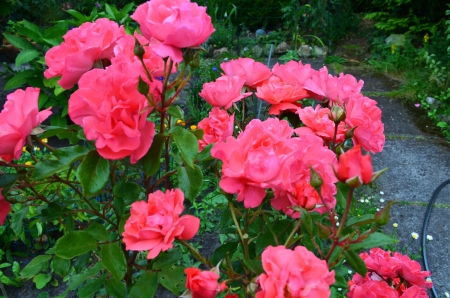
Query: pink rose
x=381, y=262
x=255, y=73
x=113, y=113
x=224, y=91
x=176, y=24
x=20, y=115
x=354, y=168
x=217, y=127
x=319, y=121
x=411, y=271
x=372, y=289
x=203, y=284
x=5, y=208
x=254, y=159
x=155, y=224
x=363, y=113
x=293, y=273
x=414, y=292
x=82, y=47
x=281, y=95
x=294, y=72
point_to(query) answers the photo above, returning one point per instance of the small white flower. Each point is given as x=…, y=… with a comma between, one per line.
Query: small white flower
x=378, y=209
x=428, y=279
x=337, y=224
x=381, y=200
x=362, y=200
x=381, y=192
x=395, y=225
x=447, y=294
x=414, y=235
x=339, y=289
x=350, y=272
x=429, y=237
x=366, y=200
x=336, y=217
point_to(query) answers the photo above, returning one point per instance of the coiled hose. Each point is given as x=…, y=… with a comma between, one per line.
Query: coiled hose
x=425, y=226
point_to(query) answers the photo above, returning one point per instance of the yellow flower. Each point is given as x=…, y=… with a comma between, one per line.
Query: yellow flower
x=44, y=140
x=393, y=48
x=395, y=225
x=36, y=148
x=193, y=127
x=24, y=149
x=425, y=38
x=28, y=163
x=179, y=121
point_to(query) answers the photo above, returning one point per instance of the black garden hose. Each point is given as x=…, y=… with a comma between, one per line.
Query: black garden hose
x=425, y=226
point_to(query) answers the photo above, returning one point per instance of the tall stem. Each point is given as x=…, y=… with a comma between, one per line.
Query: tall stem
x=238, y=228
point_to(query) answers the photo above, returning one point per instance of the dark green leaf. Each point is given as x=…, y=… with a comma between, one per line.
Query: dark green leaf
x=80, y=263
x=306, y=219
x=35, y=266
x=76, y=280
x=17, y=220
x=114, y=260
x=355, y=261
x=98, y=231
x=8, y=180
x=152, y=160
x=205, y=154
x=115, y=288
x=74, y=244
x=254, y=265
x=26, y=56
x=198, y=133
x=360, y=220
x=61, y=266
x=92, y=286
x=70, y=224
x=146, y=286
x=187, y=144
x=226, y=220
x=172, y=278
x=341, y=196
x=264, y=240
x=167, y=259
x=174, y=111
x=190, y=181
x=53, y=211
x=79, y=16
x=376, y=239
x=43, y=295
x=62, y=158
x=127, y=190
x=19, y=42
x=93, y=173
x=221, y=252
x=19, y=79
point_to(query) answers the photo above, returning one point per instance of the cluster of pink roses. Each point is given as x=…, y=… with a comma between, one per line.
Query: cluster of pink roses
x=389, y=275
x=203, y=284
x=154, y=225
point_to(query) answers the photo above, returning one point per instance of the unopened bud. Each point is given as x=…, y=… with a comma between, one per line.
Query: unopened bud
x=337, y=114
x=382, y=217
x=188, y=55
x=138, y=49
x=350, y=133
x=143, y=87
x=194, y=63
x=315, y=180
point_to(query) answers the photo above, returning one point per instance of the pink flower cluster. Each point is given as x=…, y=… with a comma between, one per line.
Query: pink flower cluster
x=287, y=85
x=20, y=115
x=217, y=127
x=389, y=275
x=294, y=273
x=267, y=156
x=155, y=224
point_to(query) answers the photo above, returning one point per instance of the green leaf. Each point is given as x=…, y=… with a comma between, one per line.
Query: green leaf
x=61, y=266
x=306, y=219
x=167, y=259
x=341, y=196
x=360, y=220
x=114, y=260
x=52, y=211
x=91, y=286
x=33, y=35
x=19, y=79
x=115, y=288
x=152, y=160
x=376, y=239
x=111, y=10
x=74, y=244
x=442, y=124
x=93, y=173
x=56, y=31
x=172, y=278
x=187, y=144
x=62, y=158
x=98, y=231
x=80, y=263
x=35, y=266
x=205, y=155
x=355, y=261
x=8, y=180
x=17, y=220
x=79, y=16
x=174, y=111
x=146, y=286
x=221, y=252
x=254, y=265
x=264, y=240
x=43, y=295
x=26, y=56
x=19, y=42
x=198, y=133
x=190, y=181
x=41, y=280
x=76, y=280
x=127, y=190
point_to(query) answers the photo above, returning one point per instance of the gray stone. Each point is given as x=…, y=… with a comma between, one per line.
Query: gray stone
x=304, y=51
x=319, y=51
x=266, y=50
x=257, y=51
x=260, y=33
x=396, y=39
x=282, y=48
x=219, y=52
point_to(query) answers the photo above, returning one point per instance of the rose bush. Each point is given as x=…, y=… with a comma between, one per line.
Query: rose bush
x=285, y=187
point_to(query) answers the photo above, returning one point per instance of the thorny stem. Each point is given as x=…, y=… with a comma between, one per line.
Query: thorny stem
x=238, y=228
x=130, y=262
x=196, y=254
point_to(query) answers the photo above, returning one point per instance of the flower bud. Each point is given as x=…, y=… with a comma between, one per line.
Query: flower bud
x=337, y=114
x=143, y=87
x=315, y=180
x=382, y=217
x=350, y=133
x=138, y=49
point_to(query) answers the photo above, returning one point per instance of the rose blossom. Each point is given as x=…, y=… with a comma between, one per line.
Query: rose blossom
x=217, y=127
x=175, y=24
x=280, y=94
x=294, y=72
x=224, y=91
x=354, y=168
x=372, y=289
x=203, y=284
x=255, y=73
x=5, y=208
x=82, y=47
x=113, y=113
x=155, y=224
x=293, y=273
x=20, y=115
x=319, y=121
x=363, y=113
